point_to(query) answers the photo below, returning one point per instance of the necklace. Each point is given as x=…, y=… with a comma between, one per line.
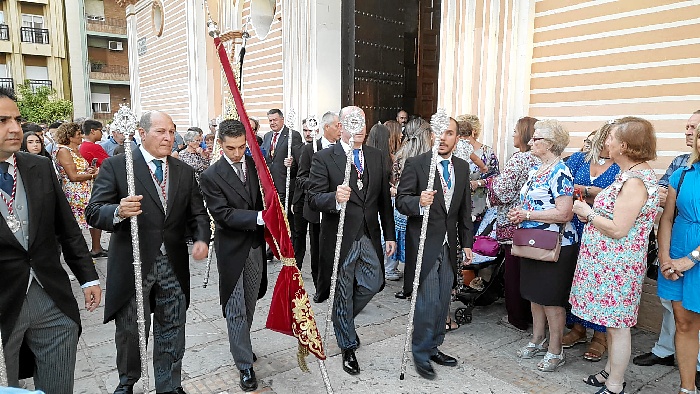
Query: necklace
x=546, y=167
x=602, y=160
x=634, y=166
x=12, y=221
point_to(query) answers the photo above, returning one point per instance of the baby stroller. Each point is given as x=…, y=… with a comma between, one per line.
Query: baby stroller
x=481, y=291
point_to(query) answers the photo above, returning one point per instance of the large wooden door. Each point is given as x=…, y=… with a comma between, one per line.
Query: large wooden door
x=428, y=57
x=385, y=67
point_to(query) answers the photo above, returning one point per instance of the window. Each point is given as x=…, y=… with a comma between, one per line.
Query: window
x=2, y=17
x=101, y=103
x=33, y=21
x=39, y=73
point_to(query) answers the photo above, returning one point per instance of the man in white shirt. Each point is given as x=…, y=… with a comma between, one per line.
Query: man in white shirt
x=36, y=300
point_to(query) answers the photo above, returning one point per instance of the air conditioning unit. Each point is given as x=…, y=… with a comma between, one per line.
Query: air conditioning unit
x=96, y=18
x=116, y=46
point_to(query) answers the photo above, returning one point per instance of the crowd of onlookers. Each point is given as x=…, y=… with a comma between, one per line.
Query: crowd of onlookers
x=602, y=201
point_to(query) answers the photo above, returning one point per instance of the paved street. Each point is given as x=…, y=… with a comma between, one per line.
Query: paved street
x=485, y=349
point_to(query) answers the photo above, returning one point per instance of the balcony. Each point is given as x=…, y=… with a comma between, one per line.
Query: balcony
x=114, y=27
x=4, y=32
x=34, y=35
x=106, y=72
x=7, y=83
x=35, y=84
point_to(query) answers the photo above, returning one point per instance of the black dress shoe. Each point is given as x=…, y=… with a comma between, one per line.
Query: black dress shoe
x=426, y=371
x=350, y=364
x=178, y=390
x=124, y=389
x=443, y=359
x=248, y=381
x=401, y=295
x=649, y=359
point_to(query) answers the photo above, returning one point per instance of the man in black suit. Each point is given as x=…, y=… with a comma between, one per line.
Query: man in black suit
x=168, y=205
x=450, y=217
x=232, y=192
x=275, y=146
x=330, y=125
x=367, y=198
x=37, y=306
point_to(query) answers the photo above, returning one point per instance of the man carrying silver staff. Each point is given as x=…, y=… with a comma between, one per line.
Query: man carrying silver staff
x=366, y=199
x=330, y=127
x=450, y=217
x=168, y=204
x=232, y=192
x=36, y=300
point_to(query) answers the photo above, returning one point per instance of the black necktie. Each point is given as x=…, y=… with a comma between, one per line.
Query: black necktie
x=6, y=179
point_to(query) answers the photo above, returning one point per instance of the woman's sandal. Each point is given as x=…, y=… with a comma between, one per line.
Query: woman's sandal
x=532, y=350
x=573, y=338
x=593, y=379
x=686, y=391
x=449, y=324
x=606, y=390
x=549, y=365
x=596, y=349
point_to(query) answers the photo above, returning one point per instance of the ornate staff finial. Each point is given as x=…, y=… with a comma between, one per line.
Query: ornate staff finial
x=312, y=123
x=291, y=118
x=125, y=120
x=439, y=122
x=353, y=121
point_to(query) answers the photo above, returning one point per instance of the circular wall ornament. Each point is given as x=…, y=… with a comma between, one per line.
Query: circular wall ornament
x=157, y=17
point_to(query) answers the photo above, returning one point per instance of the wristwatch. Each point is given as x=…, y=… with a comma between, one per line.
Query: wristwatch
x=694, y=256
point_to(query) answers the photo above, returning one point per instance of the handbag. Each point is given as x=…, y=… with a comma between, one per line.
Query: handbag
x=486, y=246
x=537, y=244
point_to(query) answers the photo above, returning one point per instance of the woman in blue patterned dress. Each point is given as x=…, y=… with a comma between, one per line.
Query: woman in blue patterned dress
x=545, y=203
x=593, y=171
x=679, y=254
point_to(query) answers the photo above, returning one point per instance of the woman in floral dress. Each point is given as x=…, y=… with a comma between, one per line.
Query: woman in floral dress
x=607, y=284
x=74, y=172
x=503, y=191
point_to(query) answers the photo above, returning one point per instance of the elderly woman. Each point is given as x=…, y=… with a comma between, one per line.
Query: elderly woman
x=679, y=254
x=469, y=128
x=592, y=171
x=545, y=204
x=192, y=154
x=76, y=176
x=418, y=141
x=611, y=266
x=503, y=193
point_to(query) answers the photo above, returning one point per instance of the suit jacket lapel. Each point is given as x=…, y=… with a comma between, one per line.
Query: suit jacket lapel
x=437, y=185
x=459, y=187
x=32, y=187
x=341, y=160
x=174, y=174
x=254, y=183
x=282, y=141
x=228, y=174
x=143, y=175
x=5, y=232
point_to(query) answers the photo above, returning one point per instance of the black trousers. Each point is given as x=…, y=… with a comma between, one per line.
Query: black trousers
x=301, y=227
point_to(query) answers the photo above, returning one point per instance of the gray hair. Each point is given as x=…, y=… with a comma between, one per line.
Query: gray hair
x=190, y=135
x=327, y=118
x=554, y=132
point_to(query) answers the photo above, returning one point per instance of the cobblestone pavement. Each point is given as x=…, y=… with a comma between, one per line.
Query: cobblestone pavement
x=485, y=349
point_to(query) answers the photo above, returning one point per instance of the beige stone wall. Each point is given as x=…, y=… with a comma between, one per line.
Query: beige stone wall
x=599, y=60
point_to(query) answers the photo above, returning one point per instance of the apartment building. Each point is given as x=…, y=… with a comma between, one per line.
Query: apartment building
x=33, y=45
x=99, y=57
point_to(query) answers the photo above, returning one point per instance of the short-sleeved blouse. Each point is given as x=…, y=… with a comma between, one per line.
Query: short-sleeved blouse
x=581, y=171
x=539, y=193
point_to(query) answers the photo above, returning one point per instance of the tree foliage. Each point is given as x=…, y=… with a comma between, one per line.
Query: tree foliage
x=40, y=105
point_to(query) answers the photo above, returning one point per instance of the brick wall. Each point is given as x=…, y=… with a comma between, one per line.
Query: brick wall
x=116, y=94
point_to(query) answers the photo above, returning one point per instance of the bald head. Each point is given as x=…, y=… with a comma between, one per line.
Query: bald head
x=157, y=132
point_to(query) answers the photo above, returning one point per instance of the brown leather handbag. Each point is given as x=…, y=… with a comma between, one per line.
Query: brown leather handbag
x=537, y=244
